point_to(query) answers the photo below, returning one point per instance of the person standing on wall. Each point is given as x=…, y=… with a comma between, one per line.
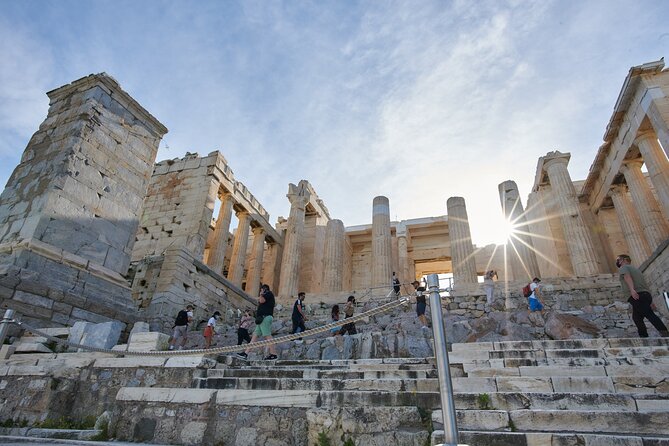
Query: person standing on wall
x=264, y=319
x=298, y=314
x=634, y=285
x=180, y=333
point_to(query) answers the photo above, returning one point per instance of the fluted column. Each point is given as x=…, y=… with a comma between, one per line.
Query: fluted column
x=576, y=232
x=216, y=258
x=255, y=262
x=239, y=245
x=658, y=168
x=382, y=252
x=652, y=221
x=630, y=224
x=292, y=245
x=333, y=259
x=403, y=254
x=524, y=261
x=462, y=250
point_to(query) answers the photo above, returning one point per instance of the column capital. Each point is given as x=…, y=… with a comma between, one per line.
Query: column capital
x=617, y=189
x=556, y=160
x=244, y=214
x=258, y=230
x=642, y=136
x=631, y=164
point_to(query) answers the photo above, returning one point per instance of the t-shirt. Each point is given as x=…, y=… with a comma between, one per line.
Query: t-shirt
x=266, y=308
x=396, y=285
x=420, y=297
x=637, y=278
x=533, y=286
x=296, y=313
x=212, y=322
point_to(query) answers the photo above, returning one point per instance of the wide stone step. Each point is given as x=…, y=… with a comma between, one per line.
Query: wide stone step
x=233, y=360
x=562, y=362
x=481, y=438
x=388, y=385
x=652, y=369
x=569, y=344
x=324, y=374
x=564, y=384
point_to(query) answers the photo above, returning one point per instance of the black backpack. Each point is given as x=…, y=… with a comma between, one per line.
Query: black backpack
x=182, y=319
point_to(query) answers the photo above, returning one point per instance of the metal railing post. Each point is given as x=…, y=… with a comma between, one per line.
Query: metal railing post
x=4, y=325
x=441, y=355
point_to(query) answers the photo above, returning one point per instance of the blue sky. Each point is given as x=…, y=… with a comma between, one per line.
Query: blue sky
x=416, y=100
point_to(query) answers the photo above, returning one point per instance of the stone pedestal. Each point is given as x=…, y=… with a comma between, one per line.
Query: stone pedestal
x=630, y=224
x=239, y=245
x=216, y=258
x=523, y=259
x=255, y=263
x=576, y=232
x=333, y=260
x=292, y=249
x=382, y=252
x=652, y=221
x=462, y=250
x=658, y=168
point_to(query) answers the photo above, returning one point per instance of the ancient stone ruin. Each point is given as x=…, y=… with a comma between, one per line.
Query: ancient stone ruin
x=102, y=246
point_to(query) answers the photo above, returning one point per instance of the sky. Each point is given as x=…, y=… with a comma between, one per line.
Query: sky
x=415, y=100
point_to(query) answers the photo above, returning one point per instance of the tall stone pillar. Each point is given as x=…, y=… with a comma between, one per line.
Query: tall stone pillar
x=271, y=271
x=524, y=261
x=333, y=260
x=652, y=221
x=239, y=245
x=462, y=250
x=403, y=254
x=255, y=263
x=576, y=232
x=658, y=168
x=630, y=224
x=382, y=251
x=216, y=258
x=292, y=245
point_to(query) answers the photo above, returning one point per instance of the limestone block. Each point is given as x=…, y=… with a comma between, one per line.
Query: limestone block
x=120, y=348
x=193, y=433
x=583, y=384
x=104, y=335
x=148, y=341
x=271, y=398
x=165, y=395
x=139, y=327
x=32, y=347
x=191, y=362
x=6, y=351
x=133, y=361
x=77, y=332
x=523, y=384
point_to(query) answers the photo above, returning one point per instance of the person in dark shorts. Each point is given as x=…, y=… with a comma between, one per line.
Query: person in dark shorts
x=421, y=303
x=265, y=316
x=298, y=314
x=349, y=308
x=244, y=325
x=396, y=285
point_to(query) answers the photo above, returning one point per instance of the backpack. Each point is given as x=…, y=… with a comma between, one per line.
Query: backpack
x=182, y=319
x=527, y=290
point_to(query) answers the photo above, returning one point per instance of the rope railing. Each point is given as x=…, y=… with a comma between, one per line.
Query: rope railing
x=403, y=300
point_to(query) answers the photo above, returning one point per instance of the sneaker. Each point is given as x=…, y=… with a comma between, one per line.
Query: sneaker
x=171, y=347
x=270, y=357
x=242, y=355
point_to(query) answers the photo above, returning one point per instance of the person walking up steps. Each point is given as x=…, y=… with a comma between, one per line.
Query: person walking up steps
x=634, y=285
x=180, y=333
x=298, y=316
x=244, y=325
x=210, y=329
x=349, y=308
x=421, y=303
x=264, y=318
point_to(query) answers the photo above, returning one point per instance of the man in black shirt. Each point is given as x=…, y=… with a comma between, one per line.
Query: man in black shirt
x=265, y=312
x=298, y=314
x=396, y=284
x=421, y=304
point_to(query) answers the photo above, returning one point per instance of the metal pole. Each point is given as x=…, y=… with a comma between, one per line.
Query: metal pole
x=4, y=325
x=441, y=355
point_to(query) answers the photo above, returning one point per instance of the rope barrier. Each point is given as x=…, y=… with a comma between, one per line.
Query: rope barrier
x=227, y=349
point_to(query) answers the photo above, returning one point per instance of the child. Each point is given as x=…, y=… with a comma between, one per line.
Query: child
x=243, y=330
x=210, y=329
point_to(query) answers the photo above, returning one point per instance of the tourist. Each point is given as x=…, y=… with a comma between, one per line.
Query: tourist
x=264, y=319
x=298, y=314
x=210, y=329
x=396, y=285
x=489, y=285
x=335, y=318
x=535, y=296
x=634, y=285
x=180, y=333
x=421, y=303
x=243, y=329
x=349, y=308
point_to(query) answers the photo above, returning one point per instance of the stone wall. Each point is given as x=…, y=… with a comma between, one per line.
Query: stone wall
x=70, y=210
x=656, y=272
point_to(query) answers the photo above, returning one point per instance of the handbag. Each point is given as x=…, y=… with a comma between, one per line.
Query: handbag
x=259, y=319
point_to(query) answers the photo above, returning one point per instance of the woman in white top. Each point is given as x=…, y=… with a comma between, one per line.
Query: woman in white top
x=210, y=329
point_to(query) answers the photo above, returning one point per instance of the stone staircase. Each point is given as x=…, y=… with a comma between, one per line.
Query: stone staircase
x=574, y=392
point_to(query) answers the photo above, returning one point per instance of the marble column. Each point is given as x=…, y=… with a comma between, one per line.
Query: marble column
x=658, y=168
x=576, y=232
x=524, y=260
x=271, y=271
x=216, y=258
x=630, y=224
x=239, y=245
x=462, y=250
x=333, y=259
x=382, y=252
x=652, y=221
x=255, y=262
x=292, y=245
x=403, y=255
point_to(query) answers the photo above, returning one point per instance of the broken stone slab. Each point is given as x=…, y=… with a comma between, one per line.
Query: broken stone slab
x=77, y=333
x=201, y=362
x=139, y=327
x=273, y=398
x=165, y=395
x=6, y=351
x=148, y=341
x=104, y=335
x=32, y=347
x=583, y=384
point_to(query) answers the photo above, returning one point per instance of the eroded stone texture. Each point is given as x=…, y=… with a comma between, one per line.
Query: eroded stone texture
x=464, y=263
x=382, y=267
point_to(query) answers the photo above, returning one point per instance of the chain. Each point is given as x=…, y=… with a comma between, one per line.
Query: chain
x=228, y=349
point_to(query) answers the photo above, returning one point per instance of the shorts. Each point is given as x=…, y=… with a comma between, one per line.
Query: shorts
x=265, y=328
x=208, y=332
x=535, y=305
x=420, y=308
x=180, y=331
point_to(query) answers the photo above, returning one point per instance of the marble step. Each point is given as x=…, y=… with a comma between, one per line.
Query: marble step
x=652, y=370
x=568, y=344
x=340, y=373
x=481, y=438
x=387, y=385
x=571, y=362
x=233, y=360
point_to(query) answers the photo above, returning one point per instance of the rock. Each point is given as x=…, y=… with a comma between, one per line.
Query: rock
x=567, y=326
x=104, y=335
x=139, y=327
